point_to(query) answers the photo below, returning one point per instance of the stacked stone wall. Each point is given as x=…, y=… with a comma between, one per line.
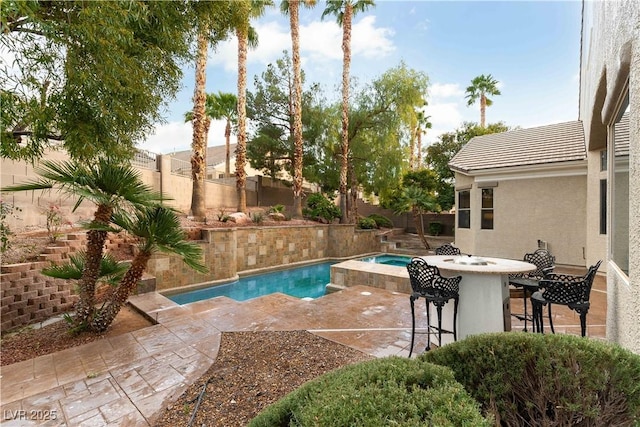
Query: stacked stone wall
x=30, y=297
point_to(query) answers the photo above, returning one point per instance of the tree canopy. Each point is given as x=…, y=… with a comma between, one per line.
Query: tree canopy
x=440, y=153
x=90, y=75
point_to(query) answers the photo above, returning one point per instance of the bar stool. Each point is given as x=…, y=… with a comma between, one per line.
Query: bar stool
x=428, y=283
x=565, y=289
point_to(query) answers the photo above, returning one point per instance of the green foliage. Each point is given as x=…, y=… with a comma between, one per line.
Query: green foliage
x=55, y=221
x=417, y=193
x=440, y=153
x=271, y=147
x=535, y=379
x=6, y=210
x=383, y=392
x=111, y=270
x=279, y=208
x=257, y=217
x=318, y=206
x=89, y=74
x=367, y=223
x=435, y=228
x=381, y=220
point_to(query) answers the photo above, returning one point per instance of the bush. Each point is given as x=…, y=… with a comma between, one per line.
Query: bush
x=534, y=379
x=382, y=392
x=435, y=228
x=381, y=220
x=318, y=206
x=367, y=223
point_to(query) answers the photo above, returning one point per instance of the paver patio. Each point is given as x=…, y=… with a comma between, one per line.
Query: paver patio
x=129, y=379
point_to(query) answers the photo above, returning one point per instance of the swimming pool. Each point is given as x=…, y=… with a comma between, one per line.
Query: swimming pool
x=397, y=260
x=302, y=282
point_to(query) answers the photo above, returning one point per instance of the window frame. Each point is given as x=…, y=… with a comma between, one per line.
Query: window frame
x=464, y=212
x=487, y=212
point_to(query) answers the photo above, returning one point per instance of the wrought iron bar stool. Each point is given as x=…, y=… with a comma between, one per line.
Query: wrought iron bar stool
x=428, y=283
x=447, y=249
x=565, y=289
x=527, y=283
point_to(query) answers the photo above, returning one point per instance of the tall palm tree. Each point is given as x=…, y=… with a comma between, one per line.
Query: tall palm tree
x=224, y=106
x=292, y=9
x=158, y=229
x=246, y=36
x=112, y=187
x=482, y=86
x=344, y=10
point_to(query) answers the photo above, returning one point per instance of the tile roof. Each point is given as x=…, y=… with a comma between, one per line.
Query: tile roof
x=215, y=155
x=560, y=142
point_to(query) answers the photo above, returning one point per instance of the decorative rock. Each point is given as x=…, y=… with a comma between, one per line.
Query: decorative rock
x=239, y=218
x=277, y=216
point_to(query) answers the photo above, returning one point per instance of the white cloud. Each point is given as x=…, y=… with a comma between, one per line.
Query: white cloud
x=177, y=136
x=371, y=41
x=445, y=90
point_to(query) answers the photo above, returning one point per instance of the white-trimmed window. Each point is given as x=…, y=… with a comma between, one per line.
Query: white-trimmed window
x=619, y=186
x=464, y=209
x=486, y=219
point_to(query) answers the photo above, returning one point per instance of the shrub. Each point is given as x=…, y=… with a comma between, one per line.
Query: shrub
x=367, y=223
x=390, y=391
x=6, y=210
x=318, y=206
x=535, y=379
x=381, y=220
x=257, y=217
x=277, y=209
x=435, y=228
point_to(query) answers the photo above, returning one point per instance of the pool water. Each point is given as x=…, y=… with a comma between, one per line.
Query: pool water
x=301, y=282
x=397, y=260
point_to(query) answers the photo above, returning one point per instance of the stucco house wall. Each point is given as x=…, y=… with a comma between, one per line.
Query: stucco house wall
x=611, y=56
x=525, y=211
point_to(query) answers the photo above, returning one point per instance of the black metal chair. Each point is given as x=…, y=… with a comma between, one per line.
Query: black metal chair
x=447, y=249
x=527, y=283
x=565, y=289
x=427, y=283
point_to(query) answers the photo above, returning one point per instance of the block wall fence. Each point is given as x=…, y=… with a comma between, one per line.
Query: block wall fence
x=30, y=297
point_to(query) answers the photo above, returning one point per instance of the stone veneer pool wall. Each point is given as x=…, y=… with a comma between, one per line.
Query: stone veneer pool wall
x=231, y=251
x=353, y=272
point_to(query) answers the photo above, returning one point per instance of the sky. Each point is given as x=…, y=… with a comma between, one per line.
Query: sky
x=532, y=48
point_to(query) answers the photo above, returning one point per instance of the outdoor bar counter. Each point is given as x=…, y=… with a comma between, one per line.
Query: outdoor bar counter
x=484, y=293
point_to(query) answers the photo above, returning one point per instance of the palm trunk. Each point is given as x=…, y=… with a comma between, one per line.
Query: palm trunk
x=483, y=107
x=241, y=148
x=297, y=110
x=85, y=307
x=419, y=149
x=412, y=149
x=416, y=221
x=346, y=65
x=199, y=146
x=227, y=160
x=107, y=315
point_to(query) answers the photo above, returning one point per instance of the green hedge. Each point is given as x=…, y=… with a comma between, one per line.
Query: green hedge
x=381, y=220
x=534, y=379
x=392, y=391
x=367, y=223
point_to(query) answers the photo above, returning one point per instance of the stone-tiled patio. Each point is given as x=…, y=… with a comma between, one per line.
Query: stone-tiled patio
x=129, y=379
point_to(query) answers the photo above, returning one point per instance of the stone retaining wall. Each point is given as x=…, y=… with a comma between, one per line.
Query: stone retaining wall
x=28, y=296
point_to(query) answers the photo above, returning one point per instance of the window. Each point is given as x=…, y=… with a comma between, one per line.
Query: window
x=486, y=221
x=603, y=160
x=619, y=186
x=464, y=209
x=603, y=206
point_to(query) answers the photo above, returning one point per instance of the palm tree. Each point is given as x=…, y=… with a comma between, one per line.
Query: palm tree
x=344, y=10
x=418, y=201
x=480, y=87
x=224, y=106
x=112, y=187
x=158, y=229
x=200, y=122
x=292, y=9
x=246, y=37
